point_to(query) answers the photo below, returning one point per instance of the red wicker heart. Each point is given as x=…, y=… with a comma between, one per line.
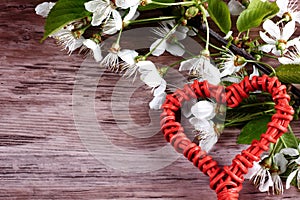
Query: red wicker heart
x=226, y=181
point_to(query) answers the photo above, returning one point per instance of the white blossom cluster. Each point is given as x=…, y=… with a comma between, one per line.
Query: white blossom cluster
x=277, y=38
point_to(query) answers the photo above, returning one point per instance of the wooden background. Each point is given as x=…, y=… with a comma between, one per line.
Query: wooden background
x=42, y=155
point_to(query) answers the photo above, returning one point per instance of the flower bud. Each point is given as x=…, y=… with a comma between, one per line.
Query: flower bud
x=191, y=12
x=239, y=60
x=281, y=45
x=205, y=53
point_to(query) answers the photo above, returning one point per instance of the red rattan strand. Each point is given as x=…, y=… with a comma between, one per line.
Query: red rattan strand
x=226, y=181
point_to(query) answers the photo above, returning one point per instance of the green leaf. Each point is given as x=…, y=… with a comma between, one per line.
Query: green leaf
x=253, y=129
x=64, y=12
x=255, y=14
x=288, y=73
x=154, y=6
x=220, y=14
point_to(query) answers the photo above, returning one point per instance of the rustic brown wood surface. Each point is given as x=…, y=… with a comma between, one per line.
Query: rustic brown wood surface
x=43, y=154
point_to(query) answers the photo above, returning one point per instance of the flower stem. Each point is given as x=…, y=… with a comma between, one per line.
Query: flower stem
x=265, y=64
x=257, y=104
x=119, y=36
x=149, y=20
x=206, y=25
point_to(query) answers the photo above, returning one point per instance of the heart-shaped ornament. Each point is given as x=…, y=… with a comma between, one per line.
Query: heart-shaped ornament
x=226, y=181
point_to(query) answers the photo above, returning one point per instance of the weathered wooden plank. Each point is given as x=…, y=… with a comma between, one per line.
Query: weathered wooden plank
x=42, y=155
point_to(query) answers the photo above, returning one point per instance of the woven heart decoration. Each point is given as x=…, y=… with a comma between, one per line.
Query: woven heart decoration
x=226, y=181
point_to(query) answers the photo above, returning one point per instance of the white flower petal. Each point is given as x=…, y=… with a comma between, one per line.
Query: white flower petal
x=128, y=56
x=187, y=64
x=297, y=161
x=157, y=101
x=161, y=89
x=266, y=39
x=285, y=61
x=293, y=42
x=265, y=185
x=208, y=143
x=290, y=178
x=43, y=9
x=117, y=18
x=98, y=17
x=253, y=170
x=283, y=5
x=175, y=49
x=149, y=73
x=92, y=6
x=281, y=162
x=124, y=4
x=296, y=16
x=203, y=110
x=200, y=124
x=160, y=49
x=288, y=30
x=271, y=28
x=267, y=48
x=131, y=14
x=290, y=151
x=181, y=32
x=95, y=48
x=211, y=73
x=186, y=107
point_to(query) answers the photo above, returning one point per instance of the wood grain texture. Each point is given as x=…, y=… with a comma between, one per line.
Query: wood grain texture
x=42, y=155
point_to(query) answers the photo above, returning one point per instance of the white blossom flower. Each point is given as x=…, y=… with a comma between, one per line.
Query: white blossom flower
x=262, y=179
x=278, y=167
x=95, y=48
x=149, y=74
x=171, y=43
x=113, y=24
x=68, y=39
x=203, y=112
x=294, y=174
x=288, y=10
x=231, y=63
x=151, y=77
x=278, y=42
x=291, y=57
x=202, y=68
x=277, y=187
x=43, y=9
x=112, y=61
x=253, y=170
x=235, y=7
x=130, y=67
x=159, y=96
x=102, y=11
